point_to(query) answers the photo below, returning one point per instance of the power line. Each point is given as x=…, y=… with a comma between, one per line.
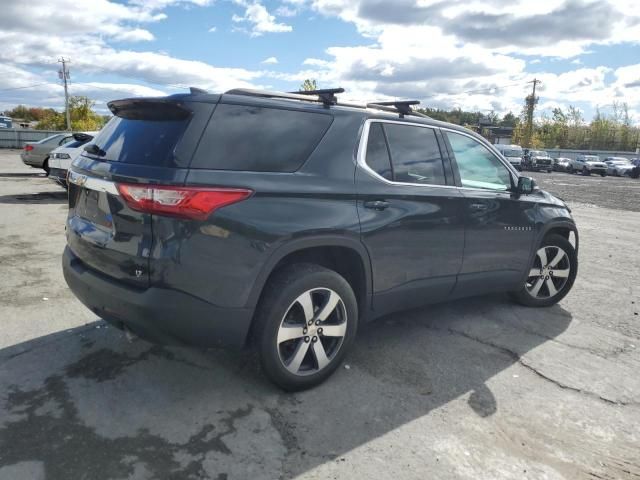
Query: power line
x=22, y=88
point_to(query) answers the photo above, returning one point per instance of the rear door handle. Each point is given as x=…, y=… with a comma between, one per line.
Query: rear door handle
x=478, y=206
x=376, y=204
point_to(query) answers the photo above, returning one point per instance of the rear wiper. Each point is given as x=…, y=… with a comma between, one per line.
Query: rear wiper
x=94, y=149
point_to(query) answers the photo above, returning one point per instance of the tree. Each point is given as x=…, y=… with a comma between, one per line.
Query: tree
x=509, y=120
x=309, y=84
x=83, y=118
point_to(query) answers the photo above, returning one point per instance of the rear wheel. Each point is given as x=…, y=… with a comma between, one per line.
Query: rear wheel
x=604, y=174
x=551, y=275
x=45, y=166
x=570, y=169
x=305, y=324
x=585, y=171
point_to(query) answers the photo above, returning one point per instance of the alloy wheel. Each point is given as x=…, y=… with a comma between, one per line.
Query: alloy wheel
x=550, y=272
x=312, y=331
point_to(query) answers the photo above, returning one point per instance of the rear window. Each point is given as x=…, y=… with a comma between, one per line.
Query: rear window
x=260, y=139
x=140, y=142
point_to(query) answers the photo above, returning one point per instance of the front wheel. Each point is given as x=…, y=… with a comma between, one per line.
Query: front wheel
x=551, y=275
x=306, y=322
x=603, y=174
x=585, y=171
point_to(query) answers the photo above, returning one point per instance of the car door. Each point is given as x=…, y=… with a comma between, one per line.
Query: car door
x=499, y=224
x=410, y=214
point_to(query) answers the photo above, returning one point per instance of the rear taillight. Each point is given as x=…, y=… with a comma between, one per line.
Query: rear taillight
x=185, y=202
x=28, y=148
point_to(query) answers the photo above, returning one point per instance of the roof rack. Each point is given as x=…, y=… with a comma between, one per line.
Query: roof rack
x=403, y=107
x=326, y=95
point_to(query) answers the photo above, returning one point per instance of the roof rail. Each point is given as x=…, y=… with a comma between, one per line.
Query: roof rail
x=403, y=107
x=326, y=95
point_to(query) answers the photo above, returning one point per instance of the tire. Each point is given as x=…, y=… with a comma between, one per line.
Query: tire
x=281, y=314
x=552, y=244
x=604, y=174
x=586, y=172
x=45, y=166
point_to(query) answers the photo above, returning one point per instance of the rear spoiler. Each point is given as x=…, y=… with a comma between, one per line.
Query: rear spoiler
x=82, y=137
x=149, y=109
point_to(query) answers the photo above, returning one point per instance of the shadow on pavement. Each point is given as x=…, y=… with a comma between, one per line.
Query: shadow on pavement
x=36, y=198
x=87, y=404
x=23, y=175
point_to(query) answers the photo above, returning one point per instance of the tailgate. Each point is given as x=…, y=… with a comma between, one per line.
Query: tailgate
x=104, y=233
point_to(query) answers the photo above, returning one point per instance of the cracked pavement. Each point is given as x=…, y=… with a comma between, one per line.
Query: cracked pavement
x=475, y=389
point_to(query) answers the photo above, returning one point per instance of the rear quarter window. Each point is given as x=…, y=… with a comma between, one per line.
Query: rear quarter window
x=261, y=139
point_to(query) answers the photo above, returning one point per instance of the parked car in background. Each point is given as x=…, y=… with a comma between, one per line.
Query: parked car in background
x=561, y=164
x=588, y=164
x=36, y=154
x=243, y=219
x=513, y=154
x=60, y=158
x=618, y=166
x=538, y=161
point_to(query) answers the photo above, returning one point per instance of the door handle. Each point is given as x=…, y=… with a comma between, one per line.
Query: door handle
x=478, y=206
x=376, y=204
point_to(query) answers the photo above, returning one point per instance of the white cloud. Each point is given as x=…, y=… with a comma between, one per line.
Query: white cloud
x=212, y=29
x=270, y=60
x=260, y=20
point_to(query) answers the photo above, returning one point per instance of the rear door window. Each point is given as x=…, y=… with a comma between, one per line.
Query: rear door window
x=261, y=139
x=415, y=154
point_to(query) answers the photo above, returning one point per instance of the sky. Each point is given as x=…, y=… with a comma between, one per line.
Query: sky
x=478, y=55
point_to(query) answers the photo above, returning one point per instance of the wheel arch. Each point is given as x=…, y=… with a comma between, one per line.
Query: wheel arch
x=343, y=254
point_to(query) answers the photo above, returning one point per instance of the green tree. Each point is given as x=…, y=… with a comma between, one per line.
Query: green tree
x=309, y=84
x=83, y=117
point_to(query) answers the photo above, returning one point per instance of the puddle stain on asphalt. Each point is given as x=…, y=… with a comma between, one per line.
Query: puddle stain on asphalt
x=44, y=424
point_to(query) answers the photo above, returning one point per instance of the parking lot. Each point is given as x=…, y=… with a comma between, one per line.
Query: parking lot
x=479, y=389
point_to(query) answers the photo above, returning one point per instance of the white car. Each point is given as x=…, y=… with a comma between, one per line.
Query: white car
x=60, y=158
x=513, y=154
x=618, y=166
x=588, y=164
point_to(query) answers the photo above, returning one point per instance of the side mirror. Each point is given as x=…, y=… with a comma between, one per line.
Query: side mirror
x=526, y=185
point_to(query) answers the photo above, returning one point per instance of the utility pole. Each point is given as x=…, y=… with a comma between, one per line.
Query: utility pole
x=64, y=75
x=531, y=104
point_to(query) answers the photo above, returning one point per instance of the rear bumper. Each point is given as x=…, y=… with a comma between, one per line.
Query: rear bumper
x=160, y=315
x=32, y=161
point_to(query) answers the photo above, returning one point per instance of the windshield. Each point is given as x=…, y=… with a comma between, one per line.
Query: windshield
x=539, y=153
x=512, y=152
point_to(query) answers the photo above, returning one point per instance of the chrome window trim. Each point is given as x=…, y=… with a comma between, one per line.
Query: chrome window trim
x=362, y=152
x=92, y=183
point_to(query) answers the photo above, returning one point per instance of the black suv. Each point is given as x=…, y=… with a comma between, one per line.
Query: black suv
x=282, y=221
